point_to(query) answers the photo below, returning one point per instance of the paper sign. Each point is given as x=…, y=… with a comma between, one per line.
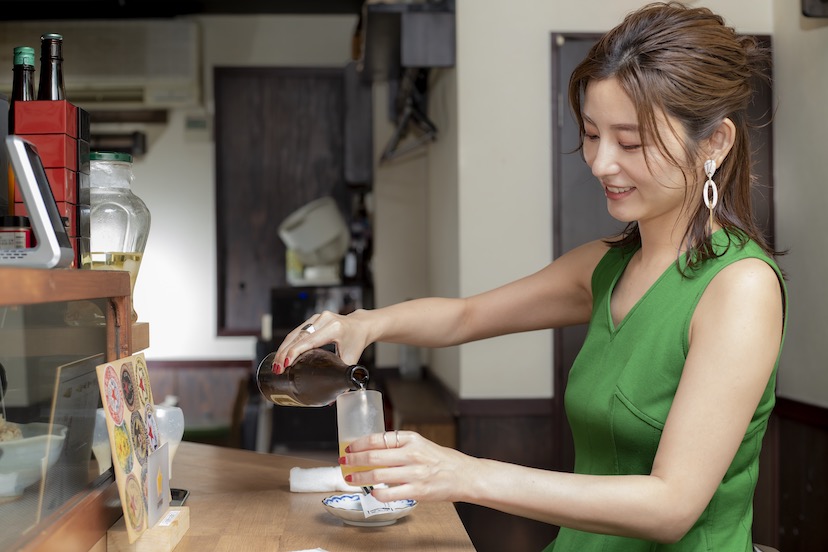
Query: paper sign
x=371, y=506
x=158, y=484
x=133, y=437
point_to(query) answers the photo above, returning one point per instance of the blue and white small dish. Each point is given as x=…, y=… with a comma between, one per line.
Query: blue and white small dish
x=348, y=508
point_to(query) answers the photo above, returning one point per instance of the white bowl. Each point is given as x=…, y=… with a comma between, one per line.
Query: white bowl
x=24, y=461
x=348, y=508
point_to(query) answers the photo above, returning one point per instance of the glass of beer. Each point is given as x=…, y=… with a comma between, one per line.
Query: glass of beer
x=358, y=413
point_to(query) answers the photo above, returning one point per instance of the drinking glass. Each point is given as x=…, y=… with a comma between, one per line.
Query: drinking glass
x=171, y=428
x=100, y=442
x=358, y=413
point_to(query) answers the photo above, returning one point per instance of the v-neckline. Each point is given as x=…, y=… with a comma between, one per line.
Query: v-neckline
x=610, y=320
x=682, y=259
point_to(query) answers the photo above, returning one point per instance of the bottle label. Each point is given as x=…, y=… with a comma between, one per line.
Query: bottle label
x=15, y=238
x=285, y=400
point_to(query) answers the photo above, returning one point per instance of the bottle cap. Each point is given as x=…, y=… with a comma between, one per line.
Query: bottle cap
x=110, y=156
x=24, y=55
x=51, y=36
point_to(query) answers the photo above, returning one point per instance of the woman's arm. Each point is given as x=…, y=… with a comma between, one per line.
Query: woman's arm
x=559, y=294
x=735, y=339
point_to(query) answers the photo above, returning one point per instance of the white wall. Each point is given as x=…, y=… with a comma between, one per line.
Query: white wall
x=176, y=288
x=504, y=166
x=800, y=144
x=475, y=211
x=401, y=223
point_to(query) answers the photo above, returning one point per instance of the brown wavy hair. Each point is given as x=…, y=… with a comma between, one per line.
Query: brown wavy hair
x=688, y=64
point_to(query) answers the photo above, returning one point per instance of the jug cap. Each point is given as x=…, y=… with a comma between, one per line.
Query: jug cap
x=110, y=156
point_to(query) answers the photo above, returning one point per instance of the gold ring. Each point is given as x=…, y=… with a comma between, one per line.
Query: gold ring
x=385, y=440
x=397, y=437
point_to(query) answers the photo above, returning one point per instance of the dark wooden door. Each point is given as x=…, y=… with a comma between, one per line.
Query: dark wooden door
x=279, y=145
x=580, y=215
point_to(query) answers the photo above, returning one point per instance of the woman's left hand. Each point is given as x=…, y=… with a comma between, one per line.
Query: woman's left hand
x=412, y=466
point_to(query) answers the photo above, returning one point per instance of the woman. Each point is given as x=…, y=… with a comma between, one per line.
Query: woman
x=670, y=395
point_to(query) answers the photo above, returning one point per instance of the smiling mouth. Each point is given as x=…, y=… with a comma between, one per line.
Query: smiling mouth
x=614, y=190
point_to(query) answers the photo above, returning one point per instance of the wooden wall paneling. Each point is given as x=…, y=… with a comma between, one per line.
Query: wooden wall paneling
x=419, y=405
x=803, y=476
x=207, y=393
x=518, y=439
x=766, y=497
x=509, y=430
x=279, y=145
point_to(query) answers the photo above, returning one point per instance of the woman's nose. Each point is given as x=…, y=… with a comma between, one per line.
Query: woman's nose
x=604, y=161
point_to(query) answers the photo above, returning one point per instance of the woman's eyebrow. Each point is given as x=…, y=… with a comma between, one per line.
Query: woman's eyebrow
x=628, y=127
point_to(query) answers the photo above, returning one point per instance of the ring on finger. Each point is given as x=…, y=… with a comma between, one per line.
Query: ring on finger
x=308, y=328
x=385, y=439
x=397, y=437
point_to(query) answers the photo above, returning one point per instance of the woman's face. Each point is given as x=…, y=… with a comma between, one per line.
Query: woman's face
x=614, y=150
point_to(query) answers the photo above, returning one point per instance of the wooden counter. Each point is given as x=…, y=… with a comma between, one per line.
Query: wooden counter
x=241, y=500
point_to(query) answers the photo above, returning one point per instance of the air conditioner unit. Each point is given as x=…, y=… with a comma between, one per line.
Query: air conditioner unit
x=116, y=63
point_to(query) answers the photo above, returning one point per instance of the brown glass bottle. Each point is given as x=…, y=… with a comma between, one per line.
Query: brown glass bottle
x=23, y=69
x=22, y=80
x=316, y=378
x=51, y=68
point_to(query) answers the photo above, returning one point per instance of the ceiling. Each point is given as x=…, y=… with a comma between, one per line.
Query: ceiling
x=22, y=10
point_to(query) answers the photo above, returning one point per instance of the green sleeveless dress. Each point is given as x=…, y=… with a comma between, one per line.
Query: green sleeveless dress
x=620, y=390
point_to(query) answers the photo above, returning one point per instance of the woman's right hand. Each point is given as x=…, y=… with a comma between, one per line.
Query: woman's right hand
x=349, y=333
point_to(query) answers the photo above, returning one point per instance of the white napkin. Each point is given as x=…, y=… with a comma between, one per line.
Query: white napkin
x=318, y=480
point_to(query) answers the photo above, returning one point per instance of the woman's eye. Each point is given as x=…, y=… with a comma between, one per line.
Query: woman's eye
x=630, y=147
x=590, y=137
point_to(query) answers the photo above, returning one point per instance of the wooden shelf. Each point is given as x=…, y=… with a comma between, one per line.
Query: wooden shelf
x=40, y=307
x=26, y=286
x=140, y=337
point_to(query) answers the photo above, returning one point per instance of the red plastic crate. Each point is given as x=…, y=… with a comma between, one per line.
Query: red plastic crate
x=56, y=150
x=46, y=117
x=64, y=184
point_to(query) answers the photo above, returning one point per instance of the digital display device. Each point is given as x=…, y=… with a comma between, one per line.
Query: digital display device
x=53, y=248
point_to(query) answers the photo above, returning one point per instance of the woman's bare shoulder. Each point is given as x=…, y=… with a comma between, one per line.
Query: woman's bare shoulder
x=746, y=292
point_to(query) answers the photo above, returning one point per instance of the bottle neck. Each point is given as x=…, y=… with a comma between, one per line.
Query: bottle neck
x=23, y=83
x=51, y=71
x=359, y=376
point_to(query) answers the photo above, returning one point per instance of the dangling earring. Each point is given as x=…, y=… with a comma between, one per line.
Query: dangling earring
x=709, y=169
